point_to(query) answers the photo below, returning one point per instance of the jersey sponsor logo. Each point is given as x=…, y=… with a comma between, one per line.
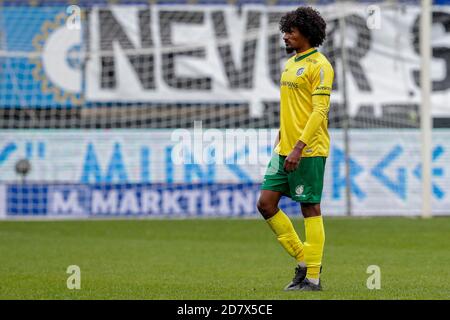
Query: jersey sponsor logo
x=313, y=61
x=299, y=189
x=309, y=150
x=289, y=84
x=323, y=88
x=300, y=71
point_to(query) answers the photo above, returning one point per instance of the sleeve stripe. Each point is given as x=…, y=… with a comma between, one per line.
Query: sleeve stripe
x=321, y=94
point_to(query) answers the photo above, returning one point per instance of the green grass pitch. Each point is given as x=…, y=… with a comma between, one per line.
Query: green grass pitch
x=220, y=259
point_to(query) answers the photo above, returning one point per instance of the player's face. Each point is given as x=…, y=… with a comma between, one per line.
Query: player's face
x=293, y=40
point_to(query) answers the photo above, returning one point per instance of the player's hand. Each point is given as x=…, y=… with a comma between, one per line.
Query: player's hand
x=293, y=160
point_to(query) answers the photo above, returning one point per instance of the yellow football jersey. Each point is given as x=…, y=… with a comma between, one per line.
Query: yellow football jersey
x=305, y=89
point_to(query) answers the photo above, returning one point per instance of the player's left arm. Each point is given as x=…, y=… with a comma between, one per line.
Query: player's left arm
x=321, y=83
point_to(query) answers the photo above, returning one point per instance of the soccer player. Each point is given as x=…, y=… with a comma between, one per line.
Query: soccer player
x=297, y=166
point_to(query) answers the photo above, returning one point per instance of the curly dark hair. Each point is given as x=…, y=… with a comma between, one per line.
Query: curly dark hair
x=309, y=23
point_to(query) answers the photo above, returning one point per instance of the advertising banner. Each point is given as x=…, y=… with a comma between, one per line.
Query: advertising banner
x=129, y=55
x=385, y=165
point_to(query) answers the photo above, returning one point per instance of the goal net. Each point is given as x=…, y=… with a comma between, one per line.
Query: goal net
x=93, y=93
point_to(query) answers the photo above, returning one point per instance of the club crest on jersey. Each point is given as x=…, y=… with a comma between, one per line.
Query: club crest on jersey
x=300, y=71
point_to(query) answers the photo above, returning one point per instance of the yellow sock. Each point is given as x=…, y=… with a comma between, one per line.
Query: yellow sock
x=315, y=239
x=286, y=235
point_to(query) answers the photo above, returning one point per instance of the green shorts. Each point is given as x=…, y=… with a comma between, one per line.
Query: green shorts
x=305, y=184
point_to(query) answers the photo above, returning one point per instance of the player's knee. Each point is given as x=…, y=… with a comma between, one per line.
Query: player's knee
x=310, y=210
x=266, y=208
x=262, y=206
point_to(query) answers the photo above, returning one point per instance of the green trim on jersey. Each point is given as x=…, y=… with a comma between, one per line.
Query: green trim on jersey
x=304, y=185
x=304, y=56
